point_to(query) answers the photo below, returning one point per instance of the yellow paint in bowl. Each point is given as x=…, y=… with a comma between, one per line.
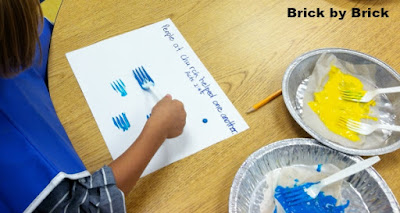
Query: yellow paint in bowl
x=330, y=107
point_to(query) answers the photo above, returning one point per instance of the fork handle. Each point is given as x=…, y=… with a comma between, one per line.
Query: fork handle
x=388, y=90
x=156, y=93
x=353, y=169
x=389, y=127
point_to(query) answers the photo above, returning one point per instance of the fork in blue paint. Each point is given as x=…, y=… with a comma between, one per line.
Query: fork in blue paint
x=145, y=81
x=119, y=86
x=121, y=122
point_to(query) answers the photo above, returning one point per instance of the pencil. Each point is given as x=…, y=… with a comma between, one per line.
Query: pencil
x=265, y=101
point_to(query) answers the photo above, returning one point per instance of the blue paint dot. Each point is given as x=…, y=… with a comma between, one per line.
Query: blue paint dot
x=205, y=120
x=319, y=167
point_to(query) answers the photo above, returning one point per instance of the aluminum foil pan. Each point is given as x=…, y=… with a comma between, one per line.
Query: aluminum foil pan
x=295, y=80
x=366, y=190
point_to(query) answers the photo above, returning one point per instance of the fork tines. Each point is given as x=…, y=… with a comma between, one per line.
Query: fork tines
x=351, y=95
x=349, y=124
x=143, y=78
x=293, y=196
x=355, y=126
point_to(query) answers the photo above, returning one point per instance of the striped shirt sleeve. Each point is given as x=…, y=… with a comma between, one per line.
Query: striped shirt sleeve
x=96, y=193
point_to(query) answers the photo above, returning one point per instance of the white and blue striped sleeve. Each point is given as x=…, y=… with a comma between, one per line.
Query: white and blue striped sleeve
x=96, y=193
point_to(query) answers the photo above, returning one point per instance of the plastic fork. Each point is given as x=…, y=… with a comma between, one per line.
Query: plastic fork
x=366, y=129
x=297, y=196
x=350, y=95
x=145, y=81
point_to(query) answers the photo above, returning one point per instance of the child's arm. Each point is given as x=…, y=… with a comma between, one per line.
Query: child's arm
x=167, y=120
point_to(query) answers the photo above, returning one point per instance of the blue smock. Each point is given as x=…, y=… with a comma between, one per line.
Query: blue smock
x=35, y=152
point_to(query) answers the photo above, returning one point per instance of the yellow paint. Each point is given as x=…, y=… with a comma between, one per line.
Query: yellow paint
x=330, y=107
x=50, y=9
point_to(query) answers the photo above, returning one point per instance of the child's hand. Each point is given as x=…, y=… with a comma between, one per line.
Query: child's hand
x=169, y=116
x=167, y=120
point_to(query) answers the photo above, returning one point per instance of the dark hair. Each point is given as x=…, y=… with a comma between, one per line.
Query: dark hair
x=20, y=22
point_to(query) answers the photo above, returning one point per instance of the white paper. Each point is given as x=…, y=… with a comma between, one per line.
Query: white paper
x=175, y=69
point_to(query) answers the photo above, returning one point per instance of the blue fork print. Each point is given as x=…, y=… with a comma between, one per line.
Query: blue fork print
x=121, y=122
x=119, y=86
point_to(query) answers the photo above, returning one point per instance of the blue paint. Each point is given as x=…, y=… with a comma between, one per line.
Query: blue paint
x=305, y=203
x=275, y=210
x=205, y=120
x=121, y=122
x=148, y=116
x=115, y=122
x=319, y=167
x=296, y=180
x=119, y=87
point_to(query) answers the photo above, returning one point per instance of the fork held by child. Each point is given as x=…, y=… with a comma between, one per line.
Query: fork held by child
x=145, y=81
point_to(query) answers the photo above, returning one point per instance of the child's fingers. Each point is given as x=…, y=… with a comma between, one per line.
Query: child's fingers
x=168, y=96
x=165, y=99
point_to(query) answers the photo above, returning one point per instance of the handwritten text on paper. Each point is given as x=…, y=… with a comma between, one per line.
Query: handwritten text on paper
x=198, y=80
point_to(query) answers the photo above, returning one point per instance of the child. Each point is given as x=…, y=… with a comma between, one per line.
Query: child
x=39, y=171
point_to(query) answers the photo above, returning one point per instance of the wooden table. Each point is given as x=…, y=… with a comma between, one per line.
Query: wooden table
x=246, y=46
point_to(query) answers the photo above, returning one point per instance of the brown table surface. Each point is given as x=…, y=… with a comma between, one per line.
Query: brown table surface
x=246, y=46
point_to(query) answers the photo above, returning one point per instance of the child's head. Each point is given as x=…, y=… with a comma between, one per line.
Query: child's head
x=20, y=22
